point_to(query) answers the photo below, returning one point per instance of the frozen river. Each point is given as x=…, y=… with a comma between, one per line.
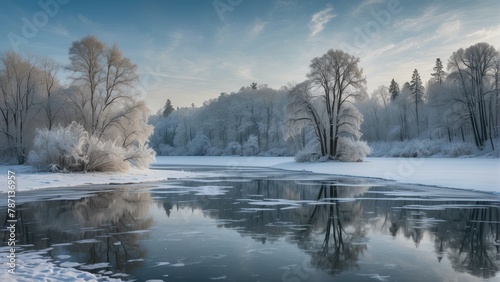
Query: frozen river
x=261, y=225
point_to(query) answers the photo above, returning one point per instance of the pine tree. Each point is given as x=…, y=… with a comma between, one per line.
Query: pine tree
x=439, y=74
x=394, y=90
x=417, y=93
x=168, y=109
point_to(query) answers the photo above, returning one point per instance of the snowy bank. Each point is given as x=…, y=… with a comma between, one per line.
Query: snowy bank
x=29, y=179
x=464, y=173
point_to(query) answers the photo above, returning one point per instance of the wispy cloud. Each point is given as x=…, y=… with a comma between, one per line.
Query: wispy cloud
x=490, y=35
x=365, y=4
x=448, y=29
x=320, y=19
x=84, y=19
x=429, y=17
x=257, y=28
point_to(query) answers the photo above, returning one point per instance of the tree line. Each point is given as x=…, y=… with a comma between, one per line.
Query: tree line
x=331, y=116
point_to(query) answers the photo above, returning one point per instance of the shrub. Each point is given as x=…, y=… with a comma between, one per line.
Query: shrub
x=352, y=151
x=64, y=149
x=60, y=149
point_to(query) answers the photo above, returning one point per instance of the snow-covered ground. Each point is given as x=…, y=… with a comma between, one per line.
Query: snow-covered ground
x=30, y=179
x=464, y=173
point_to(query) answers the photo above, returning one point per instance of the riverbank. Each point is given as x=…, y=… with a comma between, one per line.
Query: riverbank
x=482, y=174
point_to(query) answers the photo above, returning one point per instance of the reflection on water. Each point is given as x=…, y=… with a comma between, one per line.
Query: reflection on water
x=266, y=226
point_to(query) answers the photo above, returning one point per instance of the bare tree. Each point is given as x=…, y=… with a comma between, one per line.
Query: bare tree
x=474, y=68
x=339, y=77
x=303, y=112
x=50, y=84
x=105, y=78
x=19, y=79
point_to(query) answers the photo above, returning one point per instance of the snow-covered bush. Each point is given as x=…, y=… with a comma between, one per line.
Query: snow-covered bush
x=104, y=156
x=423, y=148
x=71, y=149
x=351, y=150
x=60, y=149
x=251, y=146
x=140, y=155
x=198, y=146
x=233, y=148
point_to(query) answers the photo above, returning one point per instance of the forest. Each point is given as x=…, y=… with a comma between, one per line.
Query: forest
x=331, y=116
x=99, y=122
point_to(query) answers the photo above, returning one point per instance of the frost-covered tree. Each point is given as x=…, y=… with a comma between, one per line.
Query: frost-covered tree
x=106, y=98
x=339, y=79
x=305, y=110
x=20, y=79
x=439, y=74
x=105, y=79
x=54, y=100
x=227, y=122
x=394, y=90
x=168, y=108
x=473, y=68
x=417, y=94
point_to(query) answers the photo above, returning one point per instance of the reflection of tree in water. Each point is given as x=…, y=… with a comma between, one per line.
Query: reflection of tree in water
x=333, y=232
x=464, y=232
x=332, y=227
x=472, y=249
x=340, y=226
x=100, y=228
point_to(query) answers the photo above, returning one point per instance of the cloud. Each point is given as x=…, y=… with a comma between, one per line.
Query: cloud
x=257, y=28
x=429, y=17
x=448, y=29
x=84, y=19
x=320, y=19
x=489, y=34
x=366, y=3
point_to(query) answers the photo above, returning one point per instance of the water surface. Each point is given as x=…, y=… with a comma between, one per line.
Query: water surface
x=264, y=225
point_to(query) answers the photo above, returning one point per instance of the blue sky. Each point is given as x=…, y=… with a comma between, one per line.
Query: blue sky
x=190, y=51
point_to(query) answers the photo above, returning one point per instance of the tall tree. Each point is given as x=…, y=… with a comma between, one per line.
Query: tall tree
x=417, y=93
x=52, y=104
x=19, y=79
x=105, y=78
x=339, y=78
x=394, y=90
x=168, y=109
x=303, y=111
x=439, y=74
x=474, y=68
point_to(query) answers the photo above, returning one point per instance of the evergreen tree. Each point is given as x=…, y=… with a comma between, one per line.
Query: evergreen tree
x=417, y=93
x=439, y=73
x=394, y=90
x=168, y=109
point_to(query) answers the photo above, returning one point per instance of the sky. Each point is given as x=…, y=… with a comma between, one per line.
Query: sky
x=190, y=51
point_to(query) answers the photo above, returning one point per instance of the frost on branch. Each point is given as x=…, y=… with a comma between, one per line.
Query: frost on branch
x=351, y=150
x=60, y=149
x=71, y=149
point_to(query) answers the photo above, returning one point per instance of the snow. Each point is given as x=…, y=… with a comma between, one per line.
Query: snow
x=35, y=266
x=29, y=179
x=482, y=174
